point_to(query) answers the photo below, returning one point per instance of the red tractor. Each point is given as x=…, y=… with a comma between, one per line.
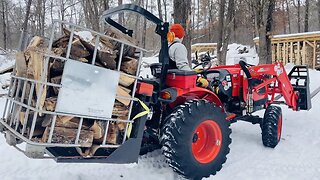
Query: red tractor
x=190, y=123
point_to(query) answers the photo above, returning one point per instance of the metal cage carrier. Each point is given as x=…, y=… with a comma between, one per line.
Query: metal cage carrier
x=86, y=94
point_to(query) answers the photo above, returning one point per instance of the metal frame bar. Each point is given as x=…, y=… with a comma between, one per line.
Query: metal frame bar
x=12, y=100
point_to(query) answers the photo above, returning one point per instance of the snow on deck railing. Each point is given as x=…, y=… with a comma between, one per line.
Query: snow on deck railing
x=293, y=35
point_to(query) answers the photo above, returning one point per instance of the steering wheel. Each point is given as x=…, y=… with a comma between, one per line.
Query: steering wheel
x=205, y=62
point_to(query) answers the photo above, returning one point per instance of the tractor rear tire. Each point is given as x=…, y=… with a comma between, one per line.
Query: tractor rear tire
x=195, y=139
x=271, y=126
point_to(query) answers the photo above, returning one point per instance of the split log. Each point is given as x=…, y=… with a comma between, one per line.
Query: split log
x=62, y=42
x=39, y=119
x=35, y=65
x=125, y=89
x=130, y=66
x=50, y=103
x=67, y=122
x=64, y=135
x=122, y=125
x=56, y=67
x=56, y=80
x=126, y=81
x=98, y=129
x=120, y=110
x=105, y=55
x=72, y=123
x=78, y=50
x=127, y=50
x=123, y=93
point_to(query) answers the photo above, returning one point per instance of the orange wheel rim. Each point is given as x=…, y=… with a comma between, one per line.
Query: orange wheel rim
x=206, y=142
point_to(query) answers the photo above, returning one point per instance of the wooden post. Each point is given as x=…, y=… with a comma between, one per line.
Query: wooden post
x=291, y=52
x=314, y=54
x=298, y=51
x=304, y=53
x=284, y=53
x=273, y=53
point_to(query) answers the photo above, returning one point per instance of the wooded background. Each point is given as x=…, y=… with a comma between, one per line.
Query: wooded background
x=221, y=21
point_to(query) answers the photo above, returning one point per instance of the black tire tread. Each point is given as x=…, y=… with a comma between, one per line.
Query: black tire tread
x=269, y=126
x=172, y=133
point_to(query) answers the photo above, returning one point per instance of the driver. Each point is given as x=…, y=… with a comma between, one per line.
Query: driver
x=178, y=54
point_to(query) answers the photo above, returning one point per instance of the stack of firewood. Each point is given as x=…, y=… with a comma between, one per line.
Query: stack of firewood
x=31, y=64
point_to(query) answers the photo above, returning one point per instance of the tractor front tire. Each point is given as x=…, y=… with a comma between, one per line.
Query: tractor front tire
x=271, y=126
x=195, y=139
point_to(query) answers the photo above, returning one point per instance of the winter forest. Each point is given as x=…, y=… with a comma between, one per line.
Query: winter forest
x=219, y=21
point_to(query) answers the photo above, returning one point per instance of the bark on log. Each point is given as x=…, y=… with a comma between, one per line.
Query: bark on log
x=105, y=55
x=120, y=110
x=56, y=80
x=127, y=50
x=130, y=66
x=50, y=103
x=64, y=135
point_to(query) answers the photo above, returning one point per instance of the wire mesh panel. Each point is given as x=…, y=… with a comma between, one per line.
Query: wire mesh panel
x=77, y=90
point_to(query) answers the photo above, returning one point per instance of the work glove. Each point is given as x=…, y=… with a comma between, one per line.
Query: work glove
x=203, y=82
x=198, y=71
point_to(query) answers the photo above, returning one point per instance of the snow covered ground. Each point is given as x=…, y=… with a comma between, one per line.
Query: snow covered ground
x=297, y=157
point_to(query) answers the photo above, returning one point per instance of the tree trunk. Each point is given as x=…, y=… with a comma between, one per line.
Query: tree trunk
x=220, y=31
x=106, y=4
x=227, y=30
x=4, y=25
x=288, y=16
x=263, y=13
x=165, y=10
x=144, y=28
x=306, y=17
x=298, y=14
x=318, y=7
x=121, y=15
x=182, y=15
x=160, y=9
x=25, y=26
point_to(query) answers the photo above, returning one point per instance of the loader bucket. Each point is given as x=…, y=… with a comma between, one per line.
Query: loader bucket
x=299, y=78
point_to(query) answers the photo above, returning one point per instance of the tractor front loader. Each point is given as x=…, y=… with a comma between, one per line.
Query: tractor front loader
x=170, y=111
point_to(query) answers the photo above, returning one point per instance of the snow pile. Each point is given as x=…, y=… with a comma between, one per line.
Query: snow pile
x=296, y=157
x=5, y=62
x=237, y=52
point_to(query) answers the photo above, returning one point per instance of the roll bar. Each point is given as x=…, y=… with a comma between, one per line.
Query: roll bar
x=161, y=29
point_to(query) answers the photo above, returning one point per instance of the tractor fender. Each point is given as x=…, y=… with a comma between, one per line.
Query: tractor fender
x=184, y=95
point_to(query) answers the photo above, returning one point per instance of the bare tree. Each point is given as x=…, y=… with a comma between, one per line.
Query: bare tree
x=263, y=17
x=25, y=26
x=227, y=30
x=143, y=41
x=306, y=17
x=222, y=5
x=159, y=9
x=288, y=15
x=298, y=7
x=165, y=10
x=121, y=15
x=4, y=25
x=182, y=15
x=106, y=4
x=318, y=7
